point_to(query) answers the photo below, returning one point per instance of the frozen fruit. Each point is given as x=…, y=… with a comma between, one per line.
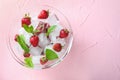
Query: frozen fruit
x=40, y=27
x=43, y=60
x=34, y=40
x=46, y=26
x=64, y=33
x=43, y=14
x=57, y=47
x=26, y=54
x=16, y=37
x=26, y=20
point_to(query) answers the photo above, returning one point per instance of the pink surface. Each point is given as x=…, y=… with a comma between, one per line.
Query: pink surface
x=95, y=54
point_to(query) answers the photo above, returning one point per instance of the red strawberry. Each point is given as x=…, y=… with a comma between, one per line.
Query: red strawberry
x=26, y=20
x=26, y=54
x=43, y=14
x=64, y=33
x=16, y=37
x=43, y=60
x=34, y=40
x=57, y=47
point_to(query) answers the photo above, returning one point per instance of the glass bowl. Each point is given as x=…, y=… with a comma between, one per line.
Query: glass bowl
x=17, y=25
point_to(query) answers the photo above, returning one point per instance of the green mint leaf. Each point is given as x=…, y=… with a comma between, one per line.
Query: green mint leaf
x=22, y=38
x=50, y=29
x=28, y=29
x=51, y=55
x=35, y=31
x=28, y=62
x=21, y=41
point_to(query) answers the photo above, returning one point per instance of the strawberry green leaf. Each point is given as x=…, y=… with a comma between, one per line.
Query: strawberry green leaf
x=28, y=62
x=28, y=29
x=51, y=55
x=50, y=29
x=21, y=41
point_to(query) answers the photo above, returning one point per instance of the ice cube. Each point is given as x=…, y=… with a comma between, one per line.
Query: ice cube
x=26, y=35
x=48, y=47
x=63, y=43
x=61, y=53
x=35, y=51
x=43, y=40
x=19, y=49
x=52, y=19
x=35, y=22
x=36, y=59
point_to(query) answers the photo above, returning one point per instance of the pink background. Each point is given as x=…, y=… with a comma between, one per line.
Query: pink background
x=95, y=54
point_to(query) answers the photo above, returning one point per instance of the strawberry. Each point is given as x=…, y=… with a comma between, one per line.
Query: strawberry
x=43, y=14
x=26, y=20
x=34, y=40
x=64, y=33
x=26, y=54
x=57, y=47
x=16, y=37
x=43, y=60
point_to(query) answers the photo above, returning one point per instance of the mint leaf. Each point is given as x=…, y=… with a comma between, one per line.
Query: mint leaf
x=28, y=62
x=28, y=29
x=51, y=55
x=50, y=29
x=21, y=41
x=22, y=38
x=35, y=31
